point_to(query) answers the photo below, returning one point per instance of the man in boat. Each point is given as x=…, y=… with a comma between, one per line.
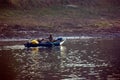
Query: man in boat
x=50, y=38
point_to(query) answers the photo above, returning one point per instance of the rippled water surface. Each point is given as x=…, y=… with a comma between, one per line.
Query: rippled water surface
x=76, y=59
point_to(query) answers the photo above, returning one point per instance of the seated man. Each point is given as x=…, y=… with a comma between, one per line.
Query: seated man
x=50, y=38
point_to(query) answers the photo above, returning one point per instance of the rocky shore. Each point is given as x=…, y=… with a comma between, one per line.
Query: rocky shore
x=64, y=29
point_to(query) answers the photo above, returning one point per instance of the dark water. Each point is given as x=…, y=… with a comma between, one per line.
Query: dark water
x=77, y=59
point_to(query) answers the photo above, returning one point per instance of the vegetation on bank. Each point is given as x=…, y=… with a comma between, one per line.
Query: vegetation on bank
x=50, y=13
x=28, y=4
x=56, y=14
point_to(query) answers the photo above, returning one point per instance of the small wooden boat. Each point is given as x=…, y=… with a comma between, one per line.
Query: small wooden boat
x=57, y=42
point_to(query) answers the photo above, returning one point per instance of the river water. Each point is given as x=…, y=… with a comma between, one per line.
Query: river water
x=77, y=59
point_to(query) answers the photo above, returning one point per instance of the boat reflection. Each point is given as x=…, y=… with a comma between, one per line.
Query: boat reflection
x=39, y=50
x=35, y=50
x=42, y=62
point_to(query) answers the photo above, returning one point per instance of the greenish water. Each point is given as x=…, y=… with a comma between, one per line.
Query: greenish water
x=76, y=59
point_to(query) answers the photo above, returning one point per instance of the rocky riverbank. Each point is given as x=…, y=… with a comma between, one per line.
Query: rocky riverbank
x=62, y=28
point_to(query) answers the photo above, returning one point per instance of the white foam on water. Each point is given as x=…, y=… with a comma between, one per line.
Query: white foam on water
x=85, y=65
x=78, y=37
x=14, y=39
x=14, y=47
x=72, y=78
x=64, y=37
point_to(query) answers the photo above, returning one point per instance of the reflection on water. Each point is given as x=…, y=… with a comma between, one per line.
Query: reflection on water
x=77, y=59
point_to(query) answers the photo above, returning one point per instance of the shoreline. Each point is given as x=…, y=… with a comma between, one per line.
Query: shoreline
x=20, y=41
x=67, y=36
x=94, y=28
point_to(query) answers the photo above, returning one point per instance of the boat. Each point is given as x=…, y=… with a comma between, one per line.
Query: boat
x=57, y=42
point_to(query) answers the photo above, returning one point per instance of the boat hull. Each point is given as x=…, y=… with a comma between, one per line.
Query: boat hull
x=45, y=44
